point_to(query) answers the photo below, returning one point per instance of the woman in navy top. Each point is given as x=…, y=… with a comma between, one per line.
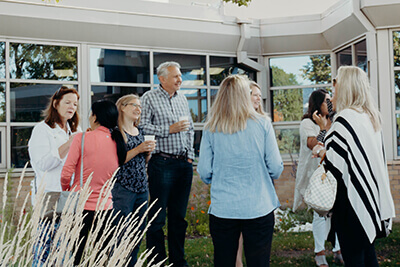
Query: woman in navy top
x=239, y=157
x=130, y=190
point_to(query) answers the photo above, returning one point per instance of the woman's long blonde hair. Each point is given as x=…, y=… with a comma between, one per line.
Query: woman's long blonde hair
x=353, y=91
x=123, y=101
x=232, y=107
x=260, y=109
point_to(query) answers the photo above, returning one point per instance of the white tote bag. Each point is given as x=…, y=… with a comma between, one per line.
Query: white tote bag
x=320, y=193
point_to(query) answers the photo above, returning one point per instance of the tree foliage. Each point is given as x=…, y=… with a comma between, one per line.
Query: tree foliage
x=239, y=2
x=318, y=70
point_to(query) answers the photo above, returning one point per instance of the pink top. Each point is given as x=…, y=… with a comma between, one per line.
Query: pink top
x=100, y=157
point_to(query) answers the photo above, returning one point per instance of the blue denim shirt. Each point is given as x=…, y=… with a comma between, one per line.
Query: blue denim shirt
x=240, y=168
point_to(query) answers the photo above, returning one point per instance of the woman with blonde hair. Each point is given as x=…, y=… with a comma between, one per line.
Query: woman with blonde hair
x=354, y=154
x=256, y=100
x=131, y=189
x=256, y=97
x=239, y=157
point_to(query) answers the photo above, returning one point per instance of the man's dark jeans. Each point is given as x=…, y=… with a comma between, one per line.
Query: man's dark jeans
x=170, y=181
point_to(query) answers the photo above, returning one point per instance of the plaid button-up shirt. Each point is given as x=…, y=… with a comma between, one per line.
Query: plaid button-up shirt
x=159, y=111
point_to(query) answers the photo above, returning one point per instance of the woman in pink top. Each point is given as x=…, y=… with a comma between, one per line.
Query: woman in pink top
x=104, y=150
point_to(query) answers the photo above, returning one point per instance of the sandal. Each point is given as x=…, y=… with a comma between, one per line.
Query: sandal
x=320, y=260
x=338, y=258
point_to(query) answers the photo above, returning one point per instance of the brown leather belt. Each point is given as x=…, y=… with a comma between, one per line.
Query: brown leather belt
x=171, y=156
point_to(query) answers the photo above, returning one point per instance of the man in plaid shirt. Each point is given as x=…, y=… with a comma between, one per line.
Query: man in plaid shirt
x=170, y=169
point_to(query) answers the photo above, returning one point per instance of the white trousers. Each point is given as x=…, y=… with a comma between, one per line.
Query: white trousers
x=321, y=227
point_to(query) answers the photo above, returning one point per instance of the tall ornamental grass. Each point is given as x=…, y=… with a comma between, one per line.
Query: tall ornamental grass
x=21, y=231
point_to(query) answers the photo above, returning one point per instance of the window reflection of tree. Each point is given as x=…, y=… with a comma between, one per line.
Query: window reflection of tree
x=32, y=61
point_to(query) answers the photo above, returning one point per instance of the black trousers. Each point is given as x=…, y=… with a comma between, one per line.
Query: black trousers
x=257, y=239
x=88, y=221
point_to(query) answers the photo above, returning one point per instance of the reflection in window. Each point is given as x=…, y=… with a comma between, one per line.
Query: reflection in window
x=2, y=102
x=213, y=95
x=290, y=104
x=396, y=48
x=302, y=70
x=2, y=60
x=193, y=67
x=361, y=55
x=344, y=57
x=19, y=145
x=197, y=100
x=32, y=61
x=397, y=88
x=398, y=133
x=288, y=140
x=107, y=65
x=28, y=100
x=112, y=93
x=221, y=67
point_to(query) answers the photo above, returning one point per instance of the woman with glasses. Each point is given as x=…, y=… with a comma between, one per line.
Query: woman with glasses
x=354, y=154
x=239, y=157
x=131, y=190
x=48, y=148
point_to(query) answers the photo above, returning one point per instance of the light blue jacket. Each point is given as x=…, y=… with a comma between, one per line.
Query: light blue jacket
x=240, y=168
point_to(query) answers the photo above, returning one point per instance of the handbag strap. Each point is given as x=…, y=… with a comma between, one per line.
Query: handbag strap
x=322, y=159
x=82, y=145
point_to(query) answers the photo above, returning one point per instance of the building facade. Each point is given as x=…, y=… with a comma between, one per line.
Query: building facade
x=107, y=49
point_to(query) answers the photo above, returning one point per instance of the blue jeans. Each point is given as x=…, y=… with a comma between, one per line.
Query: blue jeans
x=170, y=181
x=126, y=202
x=257, y=239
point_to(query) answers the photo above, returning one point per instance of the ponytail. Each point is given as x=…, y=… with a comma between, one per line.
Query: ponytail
x=107, y=115
x=121, y=145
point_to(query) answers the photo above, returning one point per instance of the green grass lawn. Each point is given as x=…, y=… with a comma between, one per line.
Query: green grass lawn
x=294, y=249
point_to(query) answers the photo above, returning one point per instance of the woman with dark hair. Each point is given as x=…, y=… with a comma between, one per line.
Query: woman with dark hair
x=313, y=128
x=104, y=150
x=48, y=147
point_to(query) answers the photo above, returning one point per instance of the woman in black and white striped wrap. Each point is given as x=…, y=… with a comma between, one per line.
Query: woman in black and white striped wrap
x=364, y=207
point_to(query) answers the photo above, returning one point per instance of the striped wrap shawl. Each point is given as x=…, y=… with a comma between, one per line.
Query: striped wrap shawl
x=355, y=154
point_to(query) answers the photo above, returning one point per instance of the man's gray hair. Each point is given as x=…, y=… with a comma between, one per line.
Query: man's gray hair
x=162, y=69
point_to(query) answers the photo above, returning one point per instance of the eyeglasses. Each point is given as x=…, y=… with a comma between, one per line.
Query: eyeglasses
x=134, y=105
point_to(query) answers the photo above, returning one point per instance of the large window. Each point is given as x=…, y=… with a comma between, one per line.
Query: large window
x=355, y=54
x=34, y=73
x=396, y=62
x=292, y=80
x=36, y=70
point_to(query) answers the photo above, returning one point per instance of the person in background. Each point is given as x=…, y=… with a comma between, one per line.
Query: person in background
x=48, y=148
x=313, y=129
x=354, y=154
x=166, y=115
x=104, y=150
x=239, y=157
x=256, y=98
x=131, y=190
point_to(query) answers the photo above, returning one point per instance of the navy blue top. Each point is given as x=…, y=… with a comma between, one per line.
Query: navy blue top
x=132, y=175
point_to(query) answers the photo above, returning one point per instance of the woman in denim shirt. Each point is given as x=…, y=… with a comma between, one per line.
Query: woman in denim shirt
x=239, y=157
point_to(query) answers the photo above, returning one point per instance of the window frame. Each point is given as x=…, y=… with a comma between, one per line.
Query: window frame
x=282, y=125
